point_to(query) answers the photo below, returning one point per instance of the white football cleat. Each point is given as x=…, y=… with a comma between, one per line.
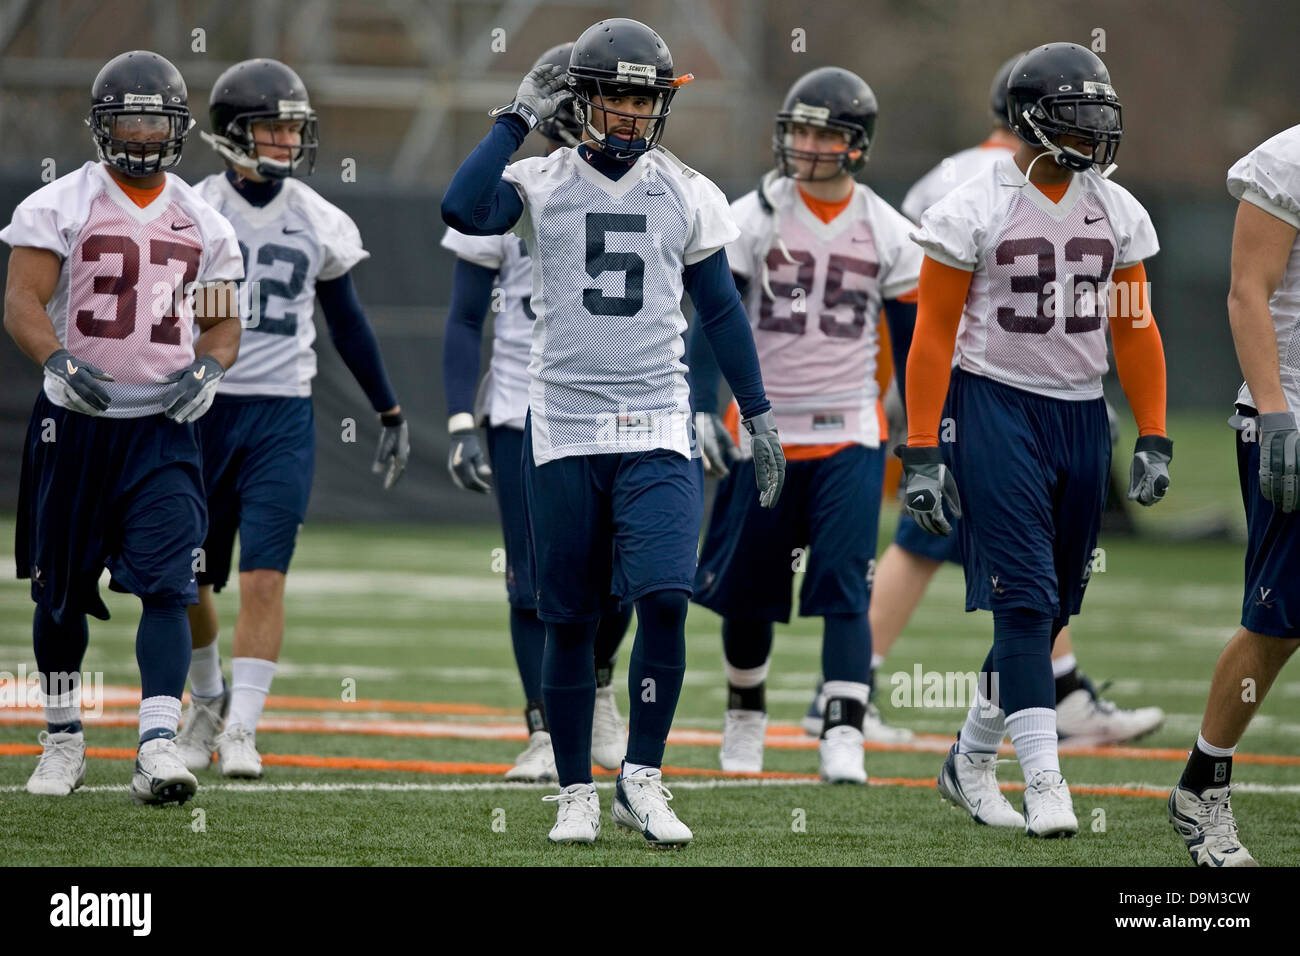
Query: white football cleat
x=203, y=721
x=577, y=818
x=839, y=755
x=1208, y=827
x=537, y=763
x=970, y=782
x=877, y=731
x=608, y=735
x=160, y=774
x=237, y=754
x=743, y=732
x=62, y=767
x=641, y=804
x=1049, y=809
x=1084, y=717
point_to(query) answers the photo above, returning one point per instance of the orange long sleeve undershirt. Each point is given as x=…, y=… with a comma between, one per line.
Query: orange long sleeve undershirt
x=942, y=292
x=1139, y=353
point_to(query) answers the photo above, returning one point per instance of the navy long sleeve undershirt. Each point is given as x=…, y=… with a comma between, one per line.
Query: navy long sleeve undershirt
x=722, y=318
x=471, y=295
x=901, y=317
x=478, y=201
x=355, y=340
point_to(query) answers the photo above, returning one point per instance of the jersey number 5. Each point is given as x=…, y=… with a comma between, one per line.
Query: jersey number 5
x=599, y=259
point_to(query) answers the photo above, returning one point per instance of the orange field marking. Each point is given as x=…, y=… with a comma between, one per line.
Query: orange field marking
x=452, y=768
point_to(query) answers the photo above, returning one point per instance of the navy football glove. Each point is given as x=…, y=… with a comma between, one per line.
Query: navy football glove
x=394, y=449
x=192, y=389
x=927, y=486
x=539, y=95
x=1149, y=476
x=469, y=469
x=1278, y=454
x=716, y=445
x=77, y=383
x=769, y=459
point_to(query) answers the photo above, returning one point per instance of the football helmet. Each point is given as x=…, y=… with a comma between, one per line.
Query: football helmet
x=1063, y=89
x=561, y=127
x=261, y=90
x=618, y=57
x=144, y=93
x=998, y=93
x=831, y=98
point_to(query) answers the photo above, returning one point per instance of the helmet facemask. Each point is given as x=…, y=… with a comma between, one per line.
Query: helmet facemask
x=139, y=139
x=652, y=124
x=1093, y=116
x=238, y=147
x=825, y=165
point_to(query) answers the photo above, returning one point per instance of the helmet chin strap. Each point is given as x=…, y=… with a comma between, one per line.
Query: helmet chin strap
x=1062, y=154
x=243, y=163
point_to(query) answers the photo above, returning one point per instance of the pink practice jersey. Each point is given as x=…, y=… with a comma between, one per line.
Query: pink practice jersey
x=816, y=332
x=123, y=276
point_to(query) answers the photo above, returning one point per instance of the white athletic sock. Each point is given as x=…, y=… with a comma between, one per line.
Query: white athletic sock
x=745, y=676
x=1201, y=744
x=630, y=768
x=1063, y=665
x=1033, y=734
x=159, y=713
x=205, y=671
x=984, y=728
x=63, y=707
x=250, y=682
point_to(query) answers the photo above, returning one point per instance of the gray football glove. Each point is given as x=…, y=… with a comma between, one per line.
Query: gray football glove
x=928, y=485
x=538, y=96
x=1149, y=475
x=192, y=389
x=469, y=469
x=77, y=383
x=769, y=459
x=394, y=449
x=1278, y=453
x=716, y=445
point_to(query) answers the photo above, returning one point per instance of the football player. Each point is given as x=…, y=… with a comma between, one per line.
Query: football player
x=1022, y=265
x=619, y=229
x=818, y=255
x=1263, y=306
x=122, y=285
x=500, y=266
x=259, y=441
x=908, y=564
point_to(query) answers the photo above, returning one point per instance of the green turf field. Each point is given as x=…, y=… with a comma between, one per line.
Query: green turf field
x=382, y=615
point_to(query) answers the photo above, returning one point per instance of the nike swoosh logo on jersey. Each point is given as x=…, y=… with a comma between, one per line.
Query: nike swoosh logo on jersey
x=292, y=232
x=179, y=226
x=1089, y=222
x=660, y=193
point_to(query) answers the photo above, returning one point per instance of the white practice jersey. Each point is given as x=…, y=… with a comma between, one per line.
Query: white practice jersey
x=288, y=244
x=606, y=369
x=1036, y=314
x=947, y=176
x=503, y=393
x=120, y=301
x=1269, y=177
x=817, y=333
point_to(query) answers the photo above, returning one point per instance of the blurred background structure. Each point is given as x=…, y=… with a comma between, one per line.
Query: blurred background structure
x=403, y=88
